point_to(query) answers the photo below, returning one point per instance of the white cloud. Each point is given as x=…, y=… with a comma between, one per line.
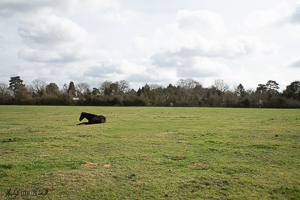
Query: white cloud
x=280, y=15
x=146, y=45
x=263, y=18
x=51, y=31
x=187, y=42
x=201, y=67
x=52, y=38
x=201, y=21
x=241, y=46
x=13, y=10
x=119, y=17
x=182, y=47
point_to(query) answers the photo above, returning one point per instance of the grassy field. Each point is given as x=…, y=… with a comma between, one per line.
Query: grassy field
x=150, y=153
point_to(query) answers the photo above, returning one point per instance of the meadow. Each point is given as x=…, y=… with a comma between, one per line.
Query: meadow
x=150, y=153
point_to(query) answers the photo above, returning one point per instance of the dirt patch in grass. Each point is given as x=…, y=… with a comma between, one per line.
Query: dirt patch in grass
x=198, y=165
x=183, y=141
x=131, y=175
x=107, y=165
x=177, y=158
x=90, y=165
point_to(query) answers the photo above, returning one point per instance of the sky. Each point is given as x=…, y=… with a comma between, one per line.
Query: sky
x=154, y=42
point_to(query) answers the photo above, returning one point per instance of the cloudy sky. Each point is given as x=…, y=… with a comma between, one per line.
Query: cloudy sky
x=154, y=42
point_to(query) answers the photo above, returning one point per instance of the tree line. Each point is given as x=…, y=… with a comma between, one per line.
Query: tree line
x=187, y=92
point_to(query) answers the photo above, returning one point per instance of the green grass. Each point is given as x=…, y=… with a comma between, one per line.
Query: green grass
x=154, y=152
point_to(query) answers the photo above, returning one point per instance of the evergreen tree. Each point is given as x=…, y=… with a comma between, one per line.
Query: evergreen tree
x=240, y=91
x=71, y=86
x=16, y=83
x=293, y=90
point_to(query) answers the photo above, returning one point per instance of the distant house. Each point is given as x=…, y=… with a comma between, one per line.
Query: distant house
x=75, y=96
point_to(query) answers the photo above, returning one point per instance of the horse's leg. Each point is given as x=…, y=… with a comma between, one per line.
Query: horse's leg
x=86, y=123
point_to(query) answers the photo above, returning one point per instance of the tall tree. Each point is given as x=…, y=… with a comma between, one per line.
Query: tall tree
x=16, y=83
x=261, y=89
x=123, y=86
x=95, y=91
x=293, y=90
x=71, y=86
x=112, y=89
x=104, y=85
x=240, y=91
x=71, y=89
x=146, y=90
x=52, y=88
x=272, y=87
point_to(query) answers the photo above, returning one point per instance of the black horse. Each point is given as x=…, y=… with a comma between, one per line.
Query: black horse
x=93, y=119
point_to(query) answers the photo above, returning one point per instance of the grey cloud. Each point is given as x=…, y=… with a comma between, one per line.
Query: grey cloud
x=50, y=57
x=296, y=16
x=187, y=53
x=220, y=52
x=104, y=70
x=185, y=57
x=295, y=64
x=143, y=78
x=229, y=48
x=9, y=9
x=187, y=63
x=165, y=59
x=194, y=72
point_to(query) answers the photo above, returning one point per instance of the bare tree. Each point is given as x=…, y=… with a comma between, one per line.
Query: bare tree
x=104, y=85
x=123, y=86
x=154, y=86
x=220, y=85
x=188, y=83
x=65, y=88
x=4, y=89
x=39, y=86
x=83, y=88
